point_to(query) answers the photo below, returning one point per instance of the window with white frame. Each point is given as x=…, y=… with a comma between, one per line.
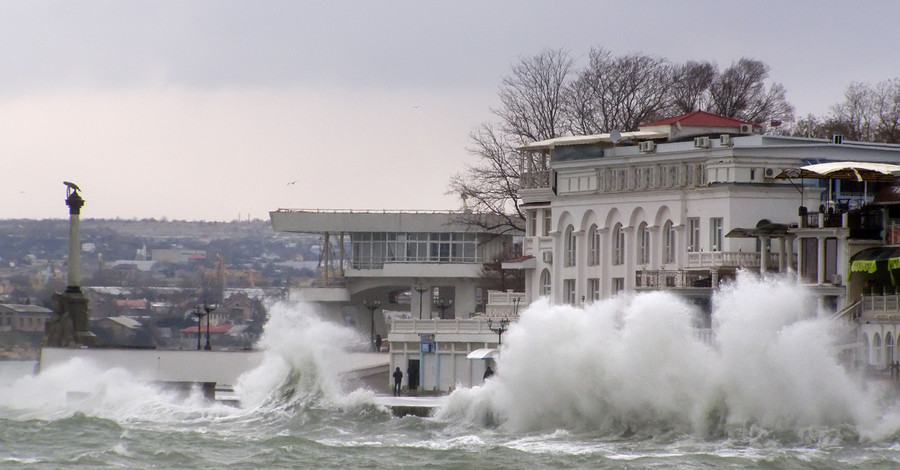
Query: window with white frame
x=569, y=290
x=594, y=289
x=532, y=223
x=594, y=240
x=618, y=245
x=715, y=234
x=668, y=243
x=618, y=285
x=693, y=234
x=545, y=283
x=548, y=221
x=570, y=246
x=643, y=254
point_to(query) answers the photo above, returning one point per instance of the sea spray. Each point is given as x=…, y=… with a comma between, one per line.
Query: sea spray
x=304, y=353
x=633, y=364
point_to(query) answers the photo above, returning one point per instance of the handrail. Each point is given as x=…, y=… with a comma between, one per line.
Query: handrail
x=848, y=309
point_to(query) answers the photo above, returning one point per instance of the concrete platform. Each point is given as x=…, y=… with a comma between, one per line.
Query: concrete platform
x=416, y=406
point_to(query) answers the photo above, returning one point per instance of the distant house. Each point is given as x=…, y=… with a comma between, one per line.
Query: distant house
x=177, y=255
x=18, y=317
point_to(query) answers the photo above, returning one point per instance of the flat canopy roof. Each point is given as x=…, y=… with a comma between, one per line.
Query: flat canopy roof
x=591, y=139
x=349, y=221
x=854, y=171
x=767, y=230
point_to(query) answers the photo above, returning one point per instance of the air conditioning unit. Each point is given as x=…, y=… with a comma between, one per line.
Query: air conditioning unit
x=725, y=140
x=548, y=257
x=771, y=172
x=837, y=139
x=701, y=142
x=746, y=128
x=647, y=146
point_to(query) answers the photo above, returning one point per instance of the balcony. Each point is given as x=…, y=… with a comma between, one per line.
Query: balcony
x=864, y=223
x=440, y=326
x=538, y=179
x=731, y=259
x=674, y=279
x=877, y=308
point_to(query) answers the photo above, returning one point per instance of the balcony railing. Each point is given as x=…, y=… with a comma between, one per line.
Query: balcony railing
x=881, y=307
x=536, y=179
x=733, y=259
x=672, y=279
x=440, y=326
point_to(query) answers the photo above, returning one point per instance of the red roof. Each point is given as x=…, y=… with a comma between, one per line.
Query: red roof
x=212, y=329
x=519, y=259
x=699, y=119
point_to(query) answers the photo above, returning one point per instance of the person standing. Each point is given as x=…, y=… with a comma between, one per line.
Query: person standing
x=488, y=373
x=398, y=379
x=377, y=343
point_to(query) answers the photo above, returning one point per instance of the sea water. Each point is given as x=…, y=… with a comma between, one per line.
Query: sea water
x=621, y=383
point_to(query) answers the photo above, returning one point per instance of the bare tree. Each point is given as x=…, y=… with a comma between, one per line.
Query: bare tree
x=532, y=99
x=886, y=101
x=617, y=92
x=489, y=188
x=740, y=92
x=532, y=96
x=689, y=88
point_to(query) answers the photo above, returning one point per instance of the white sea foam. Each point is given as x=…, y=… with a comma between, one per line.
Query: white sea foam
x=304, y=354
x=633, y=364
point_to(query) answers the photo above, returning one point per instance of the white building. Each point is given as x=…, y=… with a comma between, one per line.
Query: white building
x=427, y=263
x=682, y=204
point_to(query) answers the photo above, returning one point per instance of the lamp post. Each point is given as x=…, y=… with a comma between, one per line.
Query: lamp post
x=372, y=306
x=504, y=324
x=208, y=309
x=199, y=313
x=515, y=301
x=443, y=305
x=421, y=290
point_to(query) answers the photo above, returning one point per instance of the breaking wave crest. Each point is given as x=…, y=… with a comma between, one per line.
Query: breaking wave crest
x=304, y=357
x=634, y=365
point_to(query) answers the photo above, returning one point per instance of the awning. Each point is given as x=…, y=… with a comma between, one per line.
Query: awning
x=484, y=354
x=854, y=171
x=865, y=261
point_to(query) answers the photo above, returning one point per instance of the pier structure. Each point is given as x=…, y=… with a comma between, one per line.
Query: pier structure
x=425, y=271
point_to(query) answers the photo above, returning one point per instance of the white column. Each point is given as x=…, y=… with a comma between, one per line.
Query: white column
x=820, y=251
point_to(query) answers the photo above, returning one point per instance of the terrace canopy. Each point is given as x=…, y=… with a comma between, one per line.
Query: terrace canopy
x=854, y=171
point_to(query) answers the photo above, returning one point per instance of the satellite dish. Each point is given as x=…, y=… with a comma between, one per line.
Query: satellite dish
x=615, y=136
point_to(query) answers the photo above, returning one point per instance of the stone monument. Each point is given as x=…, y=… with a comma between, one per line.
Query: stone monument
x=69, y=325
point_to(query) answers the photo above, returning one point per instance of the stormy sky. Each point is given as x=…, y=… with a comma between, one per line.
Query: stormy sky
x=214, y=110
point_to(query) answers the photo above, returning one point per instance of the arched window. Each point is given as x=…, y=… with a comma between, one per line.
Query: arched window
x=594, y=240
x=865, y=351
x=876, y=347
x=570, y=246
x=668, y=243
x=618, y=238
x=643, y=254
x=545, y=283
x=889, y=348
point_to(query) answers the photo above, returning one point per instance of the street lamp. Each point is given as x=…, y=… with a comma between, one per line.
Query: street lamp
x=208, y=309
x=443, y=305
x=504, y=324
x=372, y=306
x=515, y=302
x=421, y=290
x=199, y=313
